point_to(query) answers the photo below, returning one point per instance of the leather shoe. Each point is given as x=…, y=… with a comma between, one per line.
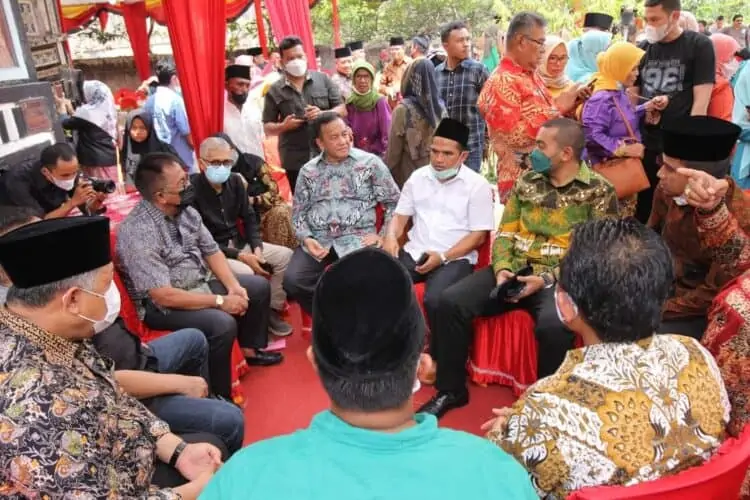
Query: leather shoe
x=264, y=358
x=442, y=402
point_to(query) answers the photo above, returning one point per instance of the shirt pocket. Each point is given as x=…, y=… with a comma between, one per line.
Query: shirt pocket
x=319, y=98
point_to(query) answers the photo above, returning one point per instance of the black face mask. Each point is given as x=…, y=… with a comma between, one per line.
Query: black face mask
x=187, y=197
x=238, y=98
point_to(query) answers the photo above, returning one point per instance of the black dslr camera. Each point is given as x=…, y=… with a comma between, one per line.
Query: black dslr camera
x=105, y=186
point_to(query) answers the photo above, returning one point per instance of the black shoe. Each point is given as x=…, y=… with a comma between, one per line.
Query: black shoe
x=264, y=358
x=442, y=402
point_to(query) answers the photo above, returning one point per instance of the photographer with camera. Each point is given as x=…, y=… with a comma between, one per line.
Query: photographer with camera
x=54, y=187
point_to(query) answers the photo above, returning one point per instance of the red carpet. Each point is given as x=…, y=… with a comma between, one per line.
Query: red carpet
x=283, y=398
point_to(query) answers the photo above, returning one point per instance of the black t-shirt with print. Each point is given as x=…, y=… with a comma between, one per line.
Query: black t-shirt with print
x=673, y=69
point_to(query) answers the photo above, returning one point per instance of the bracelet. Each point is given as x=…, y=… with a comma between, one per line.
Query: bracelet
x=176, y=453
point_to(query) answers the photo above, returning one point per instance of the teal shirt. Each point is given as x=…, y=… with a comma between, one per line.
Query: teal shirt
x=332, y=460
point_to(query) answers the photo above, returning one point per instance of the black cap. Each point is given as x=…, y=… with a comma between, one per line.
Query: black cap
x=366, y=320
x=342, y=52
x=397, y=41
x=79, y=245
x=598, y=20
x=453, y=130
x=237, y=71
x=700, y=138
x=254, y=51
x=356, y=45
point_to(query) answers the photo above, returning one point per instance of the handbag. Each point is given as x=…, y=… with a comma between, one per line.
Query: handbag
x=627, y=175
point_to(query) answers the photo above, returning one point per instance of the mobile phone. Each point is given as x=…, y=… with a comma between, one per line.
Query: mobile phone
x=267, y=267
x=422, y=259
x=591, y=83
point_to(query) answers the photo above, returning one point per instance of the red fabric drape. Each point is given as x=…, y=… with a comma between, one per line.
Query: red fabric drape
x=261, y=27
x=135, y=24
x=292, y=17
x=336, y=23
x=197, y=35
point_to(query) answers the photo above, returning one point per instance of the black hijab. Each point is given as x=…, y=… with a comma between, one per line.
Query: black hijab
x=152, y=144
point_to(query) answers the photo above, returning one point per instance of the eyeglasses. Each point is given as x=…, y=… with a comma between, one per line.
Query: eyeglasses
x=540, y=43
x=557, y=59
x=180, y=187
x=219, y=163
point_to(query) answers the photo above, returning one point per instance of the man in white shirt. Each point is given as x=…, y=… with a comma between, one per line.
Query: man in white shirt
x=450, y=207
x=242, y=120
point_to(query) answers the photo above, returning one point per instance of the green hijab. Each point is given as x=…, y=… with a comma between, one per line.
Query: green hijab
x=368, y=100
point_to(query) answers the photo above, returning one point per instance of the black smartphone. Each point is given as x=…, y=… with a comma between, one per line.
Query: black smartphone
x=422, y=259
x=267, y=267
x=591, y=83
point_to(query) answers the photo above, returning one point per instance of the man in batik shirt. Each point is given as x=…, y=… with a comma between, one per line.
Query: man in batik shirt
x=335, y=206
x=343, y=75
x=390, y=80
x=629, y=406
x=702, y=143
x=515, y=102
x=68, y=429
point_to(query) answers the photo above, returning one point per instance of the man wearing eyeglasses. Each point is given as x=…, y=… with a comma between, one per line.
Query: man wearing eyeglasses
x=221, y=199
x=515, y=102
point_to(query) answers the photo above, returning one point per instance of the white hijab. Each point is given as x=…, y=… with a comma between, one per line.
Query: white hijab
x=99, y=108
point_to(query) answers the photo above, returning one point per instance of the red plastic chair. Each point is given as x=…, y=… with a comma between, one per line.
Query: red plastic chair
x=129, y=315
x=720, y=478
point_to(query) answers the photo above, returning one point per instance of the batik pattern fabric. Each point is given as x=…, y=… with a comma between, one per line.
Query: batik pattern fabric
x=390, y=80
x=619, y=414
x=538, y=218
x=67, y=430
x=336, y=204
x=698, y=275
x=727, y=336
x=515, y=104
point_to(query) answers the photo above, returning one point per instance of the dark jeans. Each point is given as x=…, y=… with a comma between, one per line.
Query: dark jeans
x=292, y=175
x=185, y=352
x=468, y=299
x=436, y=281
x=168, y=477
x=220, y=328
x=690, y=327
x=646, y=197
x=302, y=276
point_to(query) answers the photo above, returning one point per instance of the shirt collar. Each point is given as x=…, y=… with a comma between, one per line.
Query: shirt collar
x=583, y=175
x=57, y=350
x=288, y=83
x=354, y=154
x=335, y=429
x=443, y=66
x=509, y=65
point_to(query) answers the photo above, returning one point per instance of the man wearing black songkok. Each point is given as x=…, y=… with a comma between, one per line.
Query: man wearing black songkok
x=597, y=21
x=367, y=339
x=701, y=143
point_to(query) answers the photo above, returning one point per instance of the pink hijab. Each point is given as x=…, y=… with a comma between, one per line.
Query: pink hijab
x=725, y=47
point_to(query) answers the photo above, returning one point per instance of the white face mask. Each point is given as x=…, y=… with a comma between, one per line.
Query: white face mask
x=730, y=68
x=66, y=185
x=297, y=67
x=112, y=300
x=656, y=34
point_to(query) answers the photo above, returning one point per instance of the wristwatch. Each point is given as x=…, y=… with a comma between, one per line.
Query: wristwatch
x=443, y=259
x=176, y=454
x=219, y=300
x=549, y=279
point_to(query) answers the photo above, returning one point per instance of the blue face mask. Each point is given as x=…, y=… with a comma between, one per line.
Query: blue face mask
x=218, y=175
x=540, y=162
x=443, y=175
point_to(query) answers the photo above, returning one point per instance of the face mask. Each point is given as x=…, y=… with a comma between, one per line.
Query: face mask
x=298, y=67
x=656, y=34
x=218, y=175
x=731, y=68
x=66, y=185
x=443, y=175
x=540, y=162
x=238, y=98
x=187, y=196
x=112, y=300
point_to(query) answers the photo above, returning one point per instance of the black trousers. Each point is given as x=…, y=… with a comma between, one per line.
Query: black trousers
x=690, y=327
x=646, y=197
x=436, y=281
x=302, y=275
x=292, y=175
x=469, y=299
x=169, y=477
x=220, y=328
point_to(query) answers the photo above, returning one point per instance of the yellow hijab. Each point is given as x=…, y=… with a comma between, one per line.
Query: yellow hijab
x=615, y=64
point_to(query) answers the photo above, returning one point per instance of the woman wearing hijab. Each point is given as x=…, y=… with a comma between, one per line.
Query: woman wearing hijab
x=607, y=133
x=741, y=117
x=138, y=140
x=94, y=125
x=722, y=97
x=582, y=54
x=552, y=69
x=368, y=113
x=414, y=120
x=275, y=215
x=490, y=54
